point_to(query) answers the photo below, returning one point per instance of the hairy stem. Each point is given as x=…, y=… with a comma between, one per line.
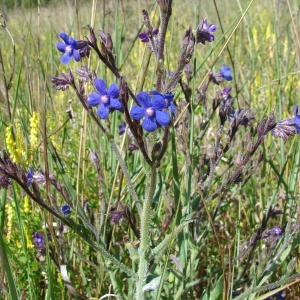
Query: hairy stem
x=145, y=240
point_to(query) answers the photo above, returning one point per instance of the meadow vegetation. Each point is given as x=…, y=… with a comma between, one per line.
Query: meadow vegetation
x=223, y=204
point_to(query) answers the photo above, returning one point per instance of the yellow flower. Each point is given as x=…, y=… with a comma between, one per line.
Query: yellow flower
x=28, y=239
x=34, y=131
x=27, y=206
x=15, y=146
x=268, y=32
x=255, y=37
x=9, y=224
x=286, y=47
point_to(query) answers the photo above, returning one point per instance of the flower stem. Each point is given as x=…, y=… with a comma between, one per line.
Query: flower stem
x=144, y=241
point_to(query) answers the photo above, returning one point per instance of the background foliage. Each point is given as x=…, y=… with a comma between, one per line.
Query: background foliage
x=265, y=56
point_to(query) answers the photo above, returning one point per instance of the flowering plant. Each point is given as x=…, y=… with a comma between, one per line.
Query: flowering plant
x=220, y=145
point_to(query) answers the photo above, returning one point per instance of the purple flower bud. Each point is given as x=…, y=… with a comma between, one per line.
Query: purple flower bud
x=62, y=82
x=284, y=129
x=143, y=36
x=155, y=31
x=188, y=44
x=266, y=125
x=83, y=48
x=226, y=93
x=4, y=181
x=85, y=75
x=106, y=41
x=287, y=128
x=116, y=216
x=29, y=177
x=132, y=147
x=204, y=32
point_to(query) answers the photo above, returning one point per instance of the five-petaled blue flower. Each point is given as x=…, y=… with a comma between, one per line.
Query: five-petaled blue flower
x=107, y=100
x=297, y=120
x=151, y=110
x=169, y=101
x=226, y=73
x=66, y=210
x=204, y=32
x=69, y=47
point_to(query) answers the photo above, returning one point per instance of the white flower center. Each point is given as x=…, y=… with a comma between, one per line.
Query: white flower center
x=150, y=112
x=104, y=99
x=68, y=49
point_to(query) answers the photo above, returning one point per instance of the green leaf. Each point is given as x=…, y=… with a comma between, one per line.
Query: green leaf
x=6, y=267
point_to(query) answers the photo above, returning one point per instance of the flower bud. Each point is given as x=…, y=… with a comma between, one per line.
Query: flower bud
x=92, y=37
x=188, y=44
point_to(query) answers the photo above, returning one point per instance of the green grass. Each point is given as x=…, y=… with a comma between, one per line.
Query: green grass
x=261, y=38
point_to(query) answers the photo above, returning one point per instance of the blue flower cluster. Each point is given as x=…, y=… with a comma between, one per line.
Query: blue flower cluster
x=154, y=110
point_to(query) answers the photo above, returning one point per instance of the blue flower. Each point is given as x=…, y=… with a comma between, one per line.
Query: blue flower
x=297, y=120
x=29, y=177
x=69, y=48
x=204, y=32
x=107, y=100
x=39, y=241
x=169, y=101
x=226, y=73
x=223, y=74
x=278, y=296
x=151, y=110
x=66, y=210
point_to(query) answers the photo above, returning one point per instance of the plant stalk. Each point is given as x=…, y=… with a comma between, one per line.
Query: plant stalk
x=145, y=240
